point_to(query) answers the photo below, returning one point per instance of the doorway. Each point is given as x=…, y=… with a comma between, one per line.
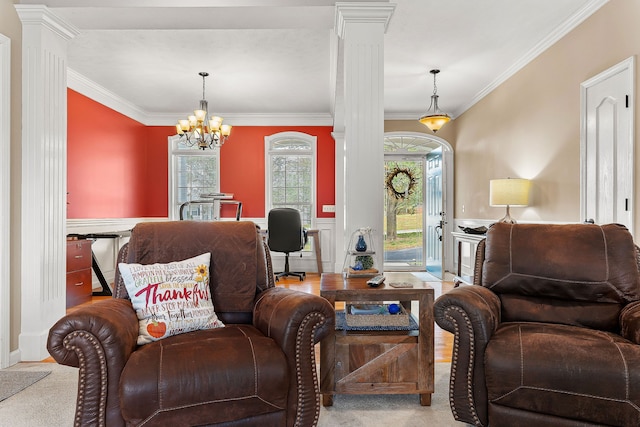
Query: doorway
x=416, y=231
x=607, y=146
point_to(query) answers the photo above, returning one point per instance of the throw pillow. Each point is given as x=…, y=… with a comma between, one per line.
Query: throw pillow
x=170, y=299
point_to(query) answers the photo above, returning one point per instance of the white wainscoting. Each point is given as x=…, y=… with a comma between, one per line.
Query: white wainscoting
x=105, y=250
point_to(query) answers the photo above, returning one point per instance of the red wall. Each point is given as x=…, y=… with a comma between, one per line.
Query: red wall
x=105, y=161
x=242, y=167
x=118, y=168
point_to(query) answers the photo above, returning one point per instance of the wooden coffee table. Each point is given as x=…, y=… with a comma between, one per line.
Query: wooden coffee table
x=378, y=361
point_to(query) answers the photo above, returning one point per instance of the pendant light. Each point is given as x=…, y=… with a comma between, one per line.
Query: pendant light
x=434, y=119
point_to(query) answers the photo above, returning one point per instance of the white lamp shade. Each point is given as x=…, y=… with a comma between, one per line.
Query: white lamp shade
x=509, y=192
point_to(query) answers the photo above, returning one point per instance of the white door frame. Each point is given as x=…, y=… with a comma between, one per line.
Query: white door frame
x=628, y=66
x=5, y=199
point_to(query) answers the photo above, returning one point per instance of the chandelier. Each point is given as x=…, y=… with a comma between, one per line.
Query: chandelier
x=201, y=130
x=435, y=119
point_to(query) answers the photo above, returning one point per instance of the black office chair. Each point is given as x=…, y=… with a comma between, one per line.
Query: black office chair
x=286, y=234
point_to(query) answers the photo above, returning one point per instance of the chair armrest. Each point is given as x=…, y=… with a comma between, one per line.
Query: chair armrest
x=472, y=314
x=296, y=321
x=630, y=322
x=98, y=339
x=280, y=313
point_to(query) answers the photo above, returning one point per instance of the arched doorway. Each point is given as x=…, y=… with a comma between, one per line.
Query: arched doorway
x=418, y=196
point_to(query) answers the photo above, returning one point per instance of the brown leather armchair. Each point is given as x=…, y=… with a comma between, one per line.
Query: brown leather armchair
x=257, y=370
x=549, y=334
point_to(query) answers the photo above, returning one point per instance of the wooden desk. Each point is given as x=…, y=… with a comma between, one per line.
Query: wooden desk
x=78, y=279
x=378, y=361
x=106, y=290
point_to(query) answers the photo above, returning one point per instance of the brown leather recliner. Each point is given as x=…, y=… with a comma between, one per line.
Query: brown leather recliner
x=257, y=370
x=549, y=335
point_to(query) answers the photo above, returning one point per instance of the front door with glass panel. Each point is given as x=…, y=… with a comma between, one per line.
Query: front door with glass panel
x=413, y=209
x=404, y=214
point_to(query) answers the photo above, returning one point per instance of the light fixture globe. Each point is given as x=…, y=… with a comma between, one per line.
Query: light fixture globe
x=434, y=119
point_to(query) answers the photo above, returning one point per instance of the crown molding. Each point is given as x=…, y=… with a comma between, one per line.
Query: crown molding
x=90, y=89
x=561, y=31
x=362, y=12
x=252, y=119
x=36, y=14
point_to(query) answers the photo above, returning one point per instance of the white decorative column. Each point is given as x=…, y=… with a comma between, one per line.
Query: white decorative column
x=44, y=175
x=361, y=27
x=340, y=229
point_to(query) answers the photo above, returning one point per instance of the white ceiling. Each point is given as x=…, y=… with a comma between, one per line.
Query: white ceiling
x=270, y=60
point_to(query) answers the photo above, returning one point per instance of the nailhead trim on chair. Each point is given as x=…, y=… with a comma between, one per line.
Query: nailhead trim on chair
x=118, y=287
x=86, y=336
x=454, y=363
x=319, y=319
x=269, y=270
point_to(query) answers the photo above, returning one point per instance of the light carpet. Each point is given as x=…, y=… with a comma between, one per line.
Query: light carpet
x=13, y=381
x=393, y=409
x=51, y=402
x=47, y=403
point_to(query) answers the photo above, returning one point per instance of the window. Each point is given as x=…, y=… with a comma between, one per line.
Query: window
x=291, y=173
x=192, y=172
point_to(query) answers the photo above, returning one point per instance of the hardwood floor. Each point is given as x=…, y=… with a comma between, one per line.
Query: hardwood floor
x=443, y=340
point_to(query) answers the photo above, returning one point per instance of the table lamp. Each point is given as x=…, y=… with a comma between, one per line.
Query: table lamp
x=509, y=192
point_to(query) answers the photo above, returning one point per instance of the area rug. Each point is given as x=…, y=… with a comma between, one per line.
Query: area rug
x=51, y=402
x=393, y=409
x=14, y=381
x=47, y=403
x=426, y=276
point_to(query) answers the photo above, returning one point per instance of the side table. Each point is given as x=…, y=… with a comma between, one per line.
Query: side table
x=378, y=361
x=466, y=256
